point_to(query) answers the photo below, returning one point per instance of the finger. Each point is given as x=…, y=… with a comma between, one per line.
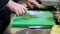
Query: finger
x=20, y=11
x=25, y=9
x=41, y=6
x=30, y=5
x=17, y=13
x=37, y=4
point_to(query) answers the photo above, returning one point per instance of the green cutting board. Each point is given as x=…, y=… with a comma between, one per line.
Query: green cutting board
x=43, y=19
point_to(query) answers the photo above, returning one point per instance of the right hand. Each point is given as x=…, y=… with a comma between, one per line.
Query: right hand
x=17, y=8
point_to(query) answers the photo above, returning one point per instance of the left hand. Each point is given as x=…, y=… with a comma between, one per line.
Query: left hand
x=34, y=2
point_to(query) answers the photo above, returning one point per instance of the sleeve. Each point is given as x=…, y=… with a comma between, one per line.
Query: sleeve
x=3, y=4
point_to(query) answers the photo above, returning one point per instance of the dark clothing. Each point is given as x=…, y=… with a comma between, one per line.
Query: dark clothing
x=3, y=3
x=5, y=19
x=4, y=15
x=15, y=0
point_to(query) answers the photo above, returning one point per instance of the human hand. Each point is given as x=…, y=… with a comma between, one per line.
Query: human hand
x=17, y=8
x=34, y=2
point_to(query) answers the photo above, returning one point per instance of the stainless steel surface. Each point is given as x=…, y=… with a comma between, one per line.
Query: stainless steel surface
x=34, y=31
x=39, y=31
x=50, y=3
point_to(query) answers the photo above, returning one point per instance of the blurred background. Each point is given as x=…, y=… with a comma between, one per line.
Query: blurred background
x=36, y=21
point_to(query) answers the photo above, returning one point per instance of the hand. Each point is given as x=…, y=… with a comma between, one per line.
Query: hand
x=34, y=2
x=17, y=8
